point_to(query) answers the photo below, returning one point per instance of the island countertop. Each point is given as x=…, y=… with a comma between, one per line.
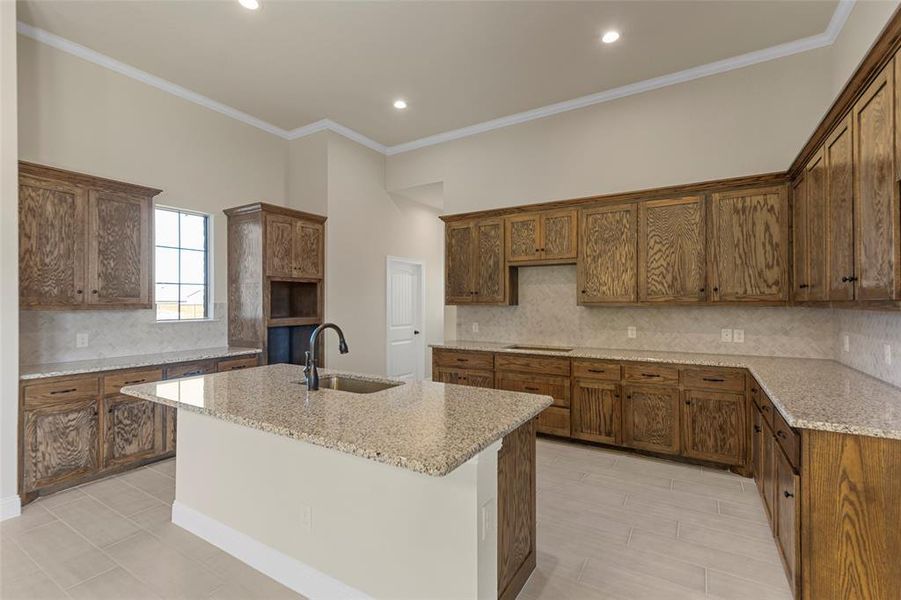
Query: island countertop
x=423, y=426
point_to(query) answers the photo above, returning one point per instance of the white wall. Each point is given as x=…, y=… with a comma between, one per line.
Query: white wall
x=9, y=263
x=857, y=36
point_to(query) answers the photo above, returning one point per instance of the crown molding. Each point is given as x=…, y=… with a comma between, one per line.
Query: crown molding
x=826, y=38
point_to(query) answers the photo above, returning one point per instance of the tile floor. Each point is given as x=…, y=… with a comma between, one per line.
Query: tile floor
x=610, y=526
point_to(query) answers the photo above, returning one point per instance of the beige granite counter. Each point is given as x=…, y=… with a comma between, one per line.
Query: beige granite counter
x=130, y=362
x=423, y=426
x=810, y=393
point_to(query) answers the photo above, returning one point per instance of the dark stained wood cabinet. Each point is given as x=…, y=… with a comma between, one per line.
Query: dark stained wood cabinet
x=651, y=418
x=876, y=211
x=460, y=246
x=787, y=490
x=559, y=234
x=749, y=245
x=672, y=241
x=474, y=378
x=542, y=237
x=816, y=234
x=838, y=151
x=596, y=411
x=607, y=263
x=84, y=241
x=279, y=245
x=59, y=442
x=714, y=426
x=548, y=376
x=516, y=511
x=475, y=269
x=800, y=257
x=523, y=238
x=133, y=430
x=294, y=246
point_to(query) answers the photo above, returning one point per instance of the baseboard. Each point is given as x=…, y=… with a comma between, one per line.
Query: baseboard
x=10, y=507
x=290, y=572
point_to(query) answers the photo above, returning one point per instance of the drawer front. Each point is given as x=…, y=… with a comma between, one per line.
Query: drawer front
x=546, y=365
x=649, y=373
x=597, y=369
x=234, y=364
x=114, y=382
x=464, y=360
x=766, y=409
x=545, y=385
x=554, y=420
x=190, y=369
x=727, y=380
x=789, y=440
x=66, y=389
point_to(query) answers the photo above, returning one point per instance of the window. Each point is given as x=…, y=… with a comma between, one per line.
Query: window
x=182, y=265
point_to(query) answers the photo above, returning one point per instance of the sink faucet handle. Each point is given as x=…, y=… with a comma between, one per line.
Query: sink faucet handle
x=308, y=363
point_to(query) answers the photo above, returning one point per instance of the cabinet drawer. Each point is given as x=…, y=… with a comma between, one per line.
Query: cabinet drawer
x=788, y=439
x=596, y=369
x=114, y=382
x=67, y=389
x=465, y=360
x=648, y=373
x=190, y=369
x=546, y=385
x=554, y=420
x=766, y=409
x=546, y=365
x=732, y=380
x=233, y=364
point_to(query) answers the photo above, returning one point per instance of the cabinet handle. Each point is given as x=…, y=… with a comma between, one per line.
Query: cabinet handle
x=649, y=375
x=134, y=381
x=803, y=285
x=238, y=367
x=780, y=433
x=788, y=494
x=462, y=360
x=66, y=391
x=596, y=371
x=688, y=403
x=754, y=390
x=530, y=388
x=757, y=429
x=714, y=379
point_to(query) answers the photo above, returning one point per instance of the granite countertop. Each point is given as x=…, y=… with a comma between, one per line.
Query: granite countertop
x=810, y=393
x=96, y=365
x=423, y=426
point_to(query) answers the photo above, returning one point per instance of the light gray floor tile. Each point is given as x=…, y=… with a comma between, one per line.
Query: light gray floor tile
x=60, y=498
x=116, y=584
x=152, y=517
x=154, y=483
x=728, y=587
x=33, y=515
x=121, y=497
x=730, y=542
x=240, y=576
x=166, y=467
x=99, y=524
x=63, y=554
x=36, y=586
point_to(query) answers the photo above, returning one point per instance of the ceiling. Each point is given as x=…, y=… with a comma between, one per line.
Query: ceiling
x=456, y=63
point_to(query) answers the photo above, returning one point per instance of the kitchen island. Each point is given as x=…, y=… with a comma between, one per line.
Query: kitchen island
x=417, y=490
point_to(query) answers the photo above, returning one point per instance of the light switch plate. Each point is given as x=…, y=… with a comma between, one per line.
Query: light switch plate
x=475, y=327
x=887, y=350
x=725, y=335
x=81, y=340
x=631, y=332
x=738, y=336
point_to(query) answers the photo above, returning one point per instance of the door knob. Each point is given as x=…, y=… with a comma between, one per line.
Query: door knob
x=415, y=332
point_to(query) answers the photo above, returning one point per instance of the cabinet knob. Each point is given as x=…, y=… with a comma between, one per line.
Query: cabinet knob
x=78, y=292
x=688, y=403
x=702, y=289
x=93, y=291
x=757, y=429
x=849, y=279
x=716, y=289
x=788, y=494
x=803, y=285
x=584, y=292
x=537, y=249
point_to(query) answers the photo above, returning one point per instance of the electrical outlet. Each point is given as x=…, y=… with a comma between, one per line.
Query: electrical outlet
x=306, y=518
x=846, y=343
x=475, y=327
x=738, y=336
x=631, y=332
x=81, y=340
x=725, y=335
x=887, y=350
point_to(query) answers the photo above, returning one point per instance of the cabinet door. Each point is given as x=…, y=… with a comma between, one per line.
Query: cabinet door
x=756, y=445
x=651, y=418
x=459, y=268
x=132, y=430
x=308, y=259
x=556, y=387
x=119, y=249
x=515, y=509
x=523, y=237
x=607, y=256
x=816, y=227
x=51, y=243
x=876, y=217
x=671, y=250
x=489, y=262
x=60, y=442
x=788, y=518
x=799, y=238
x=714, y=426
x=559, y=232
x=840, y=217
x=768, y=475
x=749, y=245
x=280, y=230
x=596, y=411
x=170, y=428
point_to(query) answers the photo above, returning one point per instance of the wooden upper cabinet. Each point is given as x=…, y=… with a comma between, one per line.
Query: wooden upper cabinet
x=120, y=246
x=308, y=249
x=543, y=236
x=84, y=241
x=490, y=268
x=749, y=245
x=816, y=227
x=799, y=238
x=459, y=268
x=294, y=247
x=671, y=250
x=52, y=220
x=607, y=255
x=876, y=216
x=714, y=426
x=279, y=245
x=838, y=154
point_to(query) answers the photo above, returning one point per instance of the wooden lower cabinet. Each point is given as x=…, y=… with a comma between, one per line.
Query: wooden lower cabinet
x=469, y=377
x=60, y=443
x=596, y=411
x=787, y=503
x=651, y=418
x=133, y=430
x=714, y=426
x=516, y=516
x=554, y=420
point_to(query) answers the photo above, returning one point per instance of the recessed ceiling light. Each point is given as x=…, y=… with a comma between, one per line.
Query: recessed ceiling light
x=609, y=37
x=250, y=4
x=400, y=104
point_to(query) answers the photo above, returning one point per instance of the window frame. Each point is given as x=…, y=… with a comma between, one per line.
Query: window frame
x=208, y=265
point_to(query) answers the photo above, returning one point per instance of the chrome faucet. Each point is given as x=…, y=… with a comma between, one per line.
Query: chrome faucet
x=309, y=370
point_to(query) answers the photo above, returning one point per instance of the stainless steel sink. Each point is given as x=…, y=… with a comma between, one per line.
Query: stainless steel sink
x=353, y=385
x=539, y=348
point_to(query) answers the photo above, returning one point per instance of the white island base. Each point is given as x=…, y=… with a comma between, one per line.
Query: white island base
x=332, y=525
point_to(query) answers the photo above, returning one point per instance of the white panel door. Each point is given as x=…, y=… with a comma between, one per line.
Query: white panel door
x=406, y=349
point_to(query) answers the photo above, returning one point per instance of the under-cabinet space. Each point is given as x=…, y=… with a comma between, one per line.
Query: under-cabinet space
x=299, y=302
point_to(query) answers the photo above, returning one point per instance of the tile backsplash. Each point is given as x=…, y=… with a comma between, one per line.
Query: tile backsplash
x=869, y=332
x=50, y=336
